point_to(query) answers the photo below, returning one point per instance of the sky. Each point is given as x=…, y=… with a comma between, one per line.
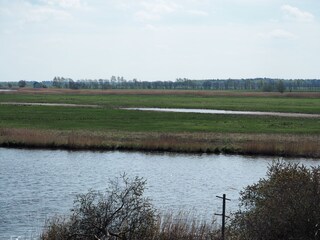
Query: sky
x=159, y=39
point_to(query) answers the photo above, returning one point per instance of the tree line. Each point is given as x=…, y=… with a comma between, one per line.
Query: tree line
x=254, y=84
x=250, y=84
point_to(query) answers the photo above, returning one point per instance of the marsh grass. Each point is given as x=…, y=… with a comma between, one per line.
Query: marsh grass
x=184, y=226
x=283, y=145
x=168, y=226
x=252, y=144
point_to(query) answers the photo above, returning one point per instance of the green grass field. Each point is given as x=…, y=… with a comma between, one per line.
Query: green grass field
x=278, y=104
x=109, y=127
x=104, y=119
x=111, y=118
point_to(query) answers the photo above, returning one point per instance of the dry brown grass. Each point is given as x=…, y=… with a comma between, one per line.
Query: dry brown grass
x=253, y=144
x=181, y=226
x=166, y=92
x=184, y=226
x=283, y=145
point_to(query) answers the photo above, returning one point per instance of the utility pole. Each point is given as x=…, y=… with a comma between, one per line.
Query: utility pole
x=223, y=214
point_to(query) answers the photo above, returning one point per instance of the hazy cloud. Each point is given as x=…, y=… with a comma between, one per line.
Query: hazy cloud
x=155, y=10
x=44, y=13
x=197, y=13
x=280, y=33
x=297, y=14
x=26, y=13
x=64, y=3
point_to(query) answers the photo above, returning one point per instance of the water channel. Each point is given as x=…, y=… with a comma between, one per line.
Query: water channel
x=227, y=112
x=37, y=184
x=7, y=90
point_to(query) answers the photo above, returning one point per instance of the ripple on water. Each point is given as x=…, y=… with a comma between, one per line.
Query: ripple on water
x=37, y=184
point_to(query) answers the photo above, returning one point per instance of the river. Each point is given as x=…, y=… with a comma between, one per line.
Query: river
x=37, y=184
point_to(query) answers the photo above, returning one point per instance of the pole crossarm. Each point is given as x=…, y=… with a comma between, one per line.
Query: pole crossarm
x=222, y=198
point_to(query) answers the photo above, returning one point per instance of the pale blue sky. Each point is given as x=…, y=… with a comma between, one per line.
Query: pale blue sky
x=159, y=39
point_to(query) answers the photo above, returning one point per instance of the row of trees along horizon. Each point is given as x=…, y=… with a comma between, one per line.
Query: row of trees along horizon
x=252, y=84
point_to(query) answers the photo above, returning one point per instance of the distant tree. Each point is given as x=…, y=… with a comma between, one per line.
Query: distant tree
x=9, y=85
x=267, y=87
x=72, y=84
x=281, y=87
x=283, y=206
x=57, y=82
x=113, y=79
x=290, y=86
x=37, y=85
x=22, y=83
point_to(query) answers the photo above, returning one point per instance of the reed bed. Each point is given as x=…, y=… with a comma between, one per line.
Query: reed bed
x=184, y=226
x=289, y=145
x=180, y=226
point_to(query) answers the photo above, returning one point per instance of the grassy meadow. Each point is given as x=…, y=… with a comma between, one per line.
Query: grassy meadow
x=109, y=127
x=291, y=102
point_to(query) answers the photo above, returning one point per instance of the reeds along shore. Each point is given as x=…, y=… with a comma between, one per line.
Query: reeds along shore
x=287, y=145
x=168, y=226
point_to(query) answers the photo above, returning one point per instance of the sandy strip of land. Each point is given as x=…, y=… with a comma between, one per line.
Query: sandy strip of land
x=228, y=112
x=50, y=104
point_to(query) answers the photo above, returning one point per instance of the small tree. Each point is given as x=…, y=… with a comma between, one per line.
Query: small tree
x=22, y=83
x=285, y=205
x=119, y=213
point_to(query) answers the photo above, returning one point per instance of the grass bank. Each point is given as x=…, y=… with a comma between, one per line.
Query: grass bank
x=108, y=127
x=287, y=145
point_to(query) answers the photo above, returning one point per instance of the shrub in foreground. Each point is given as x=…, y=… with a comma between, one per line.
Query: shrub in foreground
x=123, y=213
x=285, y=205
x=120, y=213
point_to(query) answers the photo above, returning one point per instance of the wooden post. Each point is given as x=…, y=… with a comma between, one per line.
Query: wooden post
x=223, y=215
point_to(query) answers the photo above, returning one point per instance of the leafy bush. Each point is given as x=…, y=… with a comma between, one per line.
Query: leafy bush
x=285, y=205
x=120, y=213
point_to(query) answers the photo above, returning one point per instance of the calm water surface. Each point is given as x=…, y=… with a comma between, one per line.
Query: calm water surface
x=37, y=184
x=227, y=112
